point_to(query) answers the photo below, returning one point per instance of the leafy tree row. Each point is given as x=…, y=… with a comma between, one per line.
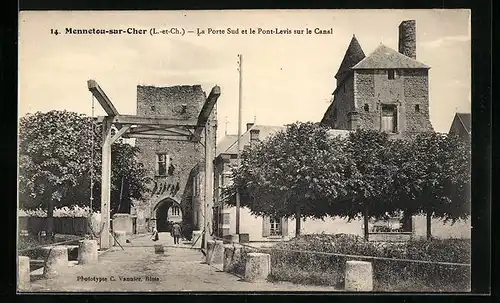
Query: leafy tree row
x=304, y=172
x=55, y=167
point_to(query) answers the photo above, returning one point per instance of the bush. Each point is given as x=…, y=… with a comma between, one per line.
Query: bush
x=65, y=211
x=389, y=275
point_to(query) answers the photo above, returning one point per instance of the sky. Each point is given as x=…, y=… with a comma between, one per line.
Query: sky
x=285, y=77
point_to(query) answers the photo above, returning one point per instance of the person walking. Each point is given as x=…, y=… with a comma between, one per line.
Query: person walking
x=176, y=232
x=154, y=236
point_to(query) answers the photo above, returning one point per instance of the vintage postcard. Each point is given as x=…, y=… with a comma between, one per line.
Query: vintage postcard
x=244, y=151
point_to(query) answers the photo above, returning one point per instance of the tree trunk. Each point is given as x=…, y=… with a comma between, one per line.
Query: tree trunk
x=297, y=222
x=365, y=222
x=50, y=221
x=428, y=219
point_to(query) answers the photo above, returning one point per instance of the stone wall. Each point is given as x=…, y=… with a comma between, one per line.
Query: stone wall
x=409, y=89
x=336, y=115
x=416, y=92
x=176, y=102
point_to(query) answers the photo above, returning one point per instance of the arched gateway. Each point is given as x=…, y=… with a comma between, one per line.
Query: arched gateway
x=166, y=211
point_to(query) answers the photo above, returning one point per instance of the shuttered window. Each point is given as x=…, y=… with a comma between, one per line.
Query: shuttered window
x=162, y=163
x=274, y=226
x=389, y=118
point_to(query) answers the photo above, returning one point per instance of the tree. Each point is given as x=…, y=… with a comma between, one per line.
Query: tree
x=294, y=173
x=434, y=177
x=55, y=163
x=371, y=187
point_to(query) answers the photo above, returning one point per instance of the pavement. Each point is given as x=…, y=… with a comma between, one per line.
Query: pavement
x=137, y=268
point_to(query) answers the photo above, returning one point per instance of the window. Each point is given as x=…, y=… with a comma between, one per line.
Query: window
x=275, y=227
x=367, y=108
x=417, y=108
x=391, y=74
x=389, y=118
x=162, y=162
x=176, y=210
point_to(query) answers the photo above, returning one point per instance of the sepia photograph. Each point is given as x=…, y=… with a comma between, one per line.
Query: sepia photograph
x=244, y=151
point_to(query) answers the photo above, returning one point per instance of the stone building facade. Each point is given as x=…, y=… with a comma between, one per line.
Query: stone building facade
x=176, y=168
x=386, y=90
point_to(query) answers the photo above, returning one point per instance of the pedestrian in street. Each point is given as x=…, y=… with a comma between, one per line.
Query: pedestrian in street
x=176, y=232
x=154, y=236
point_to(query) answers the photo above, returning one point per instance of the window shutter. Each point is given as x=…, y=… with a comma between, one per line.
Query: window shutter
x=265, y=226
x=157, y=165
x=284, y=226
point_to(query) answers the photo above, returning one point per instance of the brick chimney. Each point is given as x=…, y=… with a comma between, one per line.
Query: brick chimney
x=249, y=125
x=408, y=38
x=254, y=135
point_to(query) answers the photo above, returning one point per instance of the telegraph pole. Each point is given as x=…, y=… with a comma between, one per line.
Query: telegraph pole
x=240, y=99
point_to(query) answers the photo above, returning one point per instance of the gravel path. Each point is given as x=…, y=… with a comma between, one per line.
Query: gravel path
x=138, y=269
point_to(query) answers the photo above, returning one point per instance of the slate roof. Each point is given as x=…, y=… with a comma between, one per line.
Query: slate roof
x=232, y=148
x=225, y=143
x=464, y=119
x=386, y=58
x=353, y=55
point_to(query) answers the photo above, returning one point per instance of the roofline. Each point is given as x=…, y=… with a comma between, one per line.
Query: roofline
x=427, y=67
x=462, y=122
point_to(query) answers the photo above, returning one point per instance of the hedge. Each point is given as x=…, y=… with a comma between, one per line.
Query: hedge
x=389, y=275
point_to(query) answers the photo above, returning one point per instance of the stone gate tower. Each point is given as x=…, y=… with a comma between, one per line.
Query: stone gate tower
x=175, y=167
x=386, y=90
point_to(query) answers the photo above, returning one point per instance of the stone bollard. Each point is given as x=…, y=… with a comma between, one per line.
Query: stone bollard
x=197, y=239
x=111, y=240
x=120, y=237
x=159, y=249
x=358, y=276
x=23, y=273
x=87, y=252
x=218, y=253
x=257, y=267
x=232, y=254
x=210, y=250
x=57, y=261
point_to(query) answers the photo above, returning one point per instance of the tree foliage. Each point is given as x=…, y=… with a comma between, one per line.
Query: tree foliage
x=54, y=162
x=364, y=174
x=294, y=173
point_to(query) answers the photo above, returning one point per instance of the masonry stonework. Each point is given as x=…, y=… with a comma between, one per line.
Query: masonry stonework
x=176, y=102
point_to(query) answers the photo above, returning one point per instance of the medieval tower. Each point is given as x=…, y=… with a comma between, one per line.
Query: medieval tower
x=176, y=168
x=386, y=90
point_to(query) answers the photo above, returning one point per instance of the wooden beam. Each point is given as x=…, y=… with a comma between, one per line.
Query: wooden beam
x=209, y=190
x=106, y=184
x=137, y=120
x=159, y=131
x=158, y=137
x=119, y=133
x=205, y=112
x=100, y=95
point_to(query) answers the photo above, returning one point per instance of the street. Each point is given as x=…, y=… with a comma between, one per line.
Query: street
x=138, y=268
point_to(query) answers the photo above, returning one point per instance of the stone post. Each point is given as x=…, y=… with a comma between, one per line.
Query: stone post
x=218, y=253
x=120, y=237
x=23, y=273
x=232, y=254
x=159, y=249
x=358, y=276
x=57, y=261
x=257, y=267
x=87, y=252
x=196, y=239
x=210, y=250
